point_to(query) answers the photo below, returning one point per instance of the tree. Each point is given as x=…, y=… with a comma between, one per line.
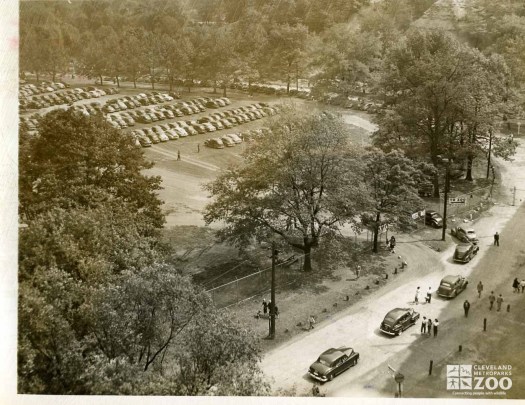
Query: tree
x=427, y=73
x=299, y=184
x=393, y=181
x=343, y=56
x=74, y=156
x=286, y=47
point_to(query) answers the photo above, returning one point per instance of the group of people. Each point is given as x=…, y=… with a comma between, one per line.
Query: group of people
x=427, y=326
x=518, y=286
x=267, y=309
x=428, y=296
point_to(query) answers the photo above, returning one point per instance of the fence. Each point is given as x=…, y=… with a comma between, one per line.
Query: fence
x=473, y=202
x=233, y=292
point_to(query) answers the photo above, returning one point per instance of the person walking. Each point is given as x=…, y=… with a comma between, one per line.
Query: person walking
x=424, y=325
x=357, y=271
x=429, y=295
x=436, y=324
x=178, y=155
x=276, y=312
x=499, y=301
x=496, y=239
x=198, y=148
x=492, y=298
x=522, y=285
x=416, y=298
x=429, y=326
x=392, y=243
x=466, y=307
x=265, y=306
x=311, y=322
x=480, y=289
x=516, y=285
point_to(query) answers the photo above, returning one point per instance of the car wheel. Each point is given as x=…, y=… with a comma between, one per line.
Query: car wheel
x=400, y=332
x=330, y=377
x=355, y=361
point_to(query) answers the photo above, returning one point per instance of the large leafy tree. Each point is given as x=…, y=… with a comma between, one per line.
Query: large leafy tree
x=393, y=181
x=299, y=184
x=74, y=156
x=430, y=75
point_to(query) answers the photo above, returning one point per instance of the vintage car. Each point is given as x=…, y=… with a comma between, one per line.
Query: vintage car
x=464, y=234
x=397, y=320
x=451, y=286
x=333, y=362
x=215, y=143
x=432, y=218
x=465, y=251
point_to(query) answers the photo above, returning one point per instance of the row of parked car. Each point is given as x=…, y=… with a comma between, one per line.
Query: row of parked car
x=64, y=97
x=214, y=122
x=29, y=89
x=124, y=119
x=271, y=89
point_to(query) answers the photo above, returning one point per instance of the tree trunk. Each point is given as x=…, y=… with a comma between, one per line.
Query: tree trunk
x=224, y=91
x=470, y=159
x=376, y=232
x=134, y=82
x=37, y=76
x=101, y=80
x=297, y=76
x=118, y=80
x=307, y=256
x=215, y=87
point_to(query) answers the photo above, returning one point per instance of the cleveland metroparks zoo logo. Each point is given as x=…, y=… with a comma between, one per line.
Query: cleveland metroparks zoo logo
x=481, y=377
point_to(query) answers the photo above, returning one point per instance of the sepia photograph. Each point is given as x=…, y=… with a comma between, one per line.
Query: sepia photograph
x=268, y=199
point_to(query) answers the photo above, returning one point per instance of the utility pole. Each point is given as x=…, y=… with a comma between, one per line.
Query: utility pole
x=490, y=149
x=447, y=181
x=272, y=299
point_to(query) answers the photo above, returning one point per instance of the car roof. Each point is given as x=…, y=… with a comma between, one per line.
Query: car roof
x=397, y=313
x=331, y=355
x=450, y=279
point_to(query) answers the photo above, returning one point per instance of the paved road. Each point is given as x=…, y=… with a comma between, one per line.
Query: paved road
x=358, y=326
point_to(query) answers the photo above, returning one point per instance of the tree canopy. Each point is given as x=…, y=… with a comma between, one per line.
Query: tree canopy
x=299, y=184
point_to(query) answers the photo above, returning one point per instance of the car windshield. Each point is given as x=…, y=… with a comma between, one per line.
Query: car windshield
x=470, y=231
x=445, y=284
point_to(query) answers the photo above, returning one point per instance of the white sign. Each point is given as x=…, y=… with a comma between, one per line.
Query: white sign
x=457, y=200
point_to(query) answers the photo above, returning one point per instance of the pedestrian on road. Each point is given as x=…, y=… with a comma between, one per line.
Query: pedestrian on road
x=516, y=285
x=357, y=271
x=392, y=243
x=499, y=301
x=429, y=295
x=416, y=299
x=424, y=325
x=277, y=312
x=480, y=289
x=429, y=326
x=265, y=306
x=522, y=285
x=466, y=307
x=492, y=298
x=198, y=147
x=436, y=324
x=496, y=239
x=178, y=155
x=311, y=322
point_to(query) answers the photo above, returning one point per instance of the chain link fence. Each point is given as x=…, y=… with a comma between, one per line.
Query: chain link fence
x=244, y=288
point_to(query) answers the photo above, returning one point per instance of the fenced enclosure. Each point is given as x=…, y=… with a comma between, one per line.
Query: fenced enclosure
x=287, y=272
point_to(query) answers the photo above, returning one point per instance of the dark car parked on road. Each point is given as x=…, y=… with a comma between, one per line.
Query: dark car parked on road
x=398, y=320
x=432, y=218
x=451, y=286
x=464, y=234
x=333, y=362
x=465, y=251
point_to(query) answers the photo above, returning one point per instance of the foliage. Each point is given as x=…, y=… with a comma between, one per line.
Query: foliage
x=74, y=157
x=299, y=184
x=393, y=181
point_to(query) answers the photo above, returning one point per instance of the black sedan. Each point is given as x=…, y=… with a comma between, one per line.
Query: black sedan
x=451, y=286
x=398, y=320
x=465, y=251
x=333, y=362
